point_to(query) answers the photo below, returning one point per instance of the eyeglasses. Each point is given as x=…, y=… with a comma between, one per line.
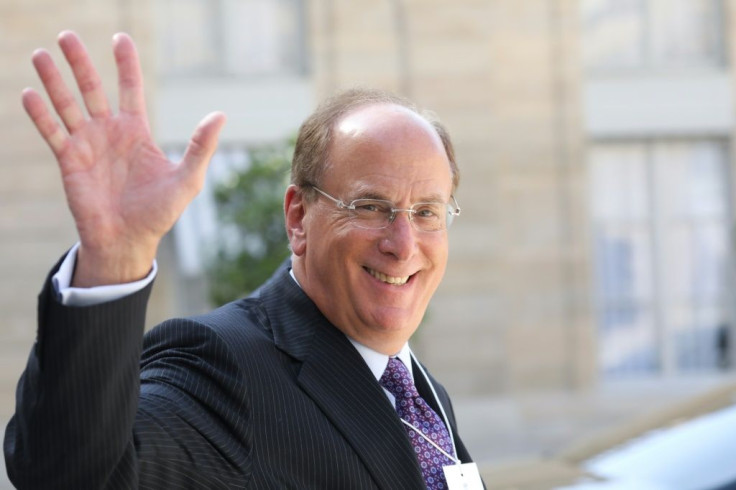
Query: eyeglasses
x=376, y=214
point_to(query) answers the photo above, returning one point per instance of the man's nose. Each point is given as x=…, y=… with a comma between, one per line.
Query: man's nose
x=400, y=237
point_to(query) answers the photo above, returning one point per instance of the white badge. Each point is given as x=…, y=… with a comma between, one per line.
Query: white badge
x=463, y=477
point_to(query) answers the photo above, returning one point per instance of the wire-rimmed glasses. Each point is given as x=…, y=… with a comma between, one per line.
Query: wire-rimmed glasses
x=376, y=214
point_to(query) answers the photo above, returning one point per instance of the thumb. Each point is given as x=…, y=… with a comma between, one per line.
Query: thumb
x=202, y=145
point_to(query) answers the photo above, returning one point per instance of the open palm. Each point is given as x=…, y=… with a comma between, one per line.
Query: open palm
x=122, y=190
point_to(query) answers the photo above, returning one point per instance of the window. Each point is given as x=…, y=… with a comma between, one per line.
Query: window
x=661, y=226
x=231, y=37
x=651, y=33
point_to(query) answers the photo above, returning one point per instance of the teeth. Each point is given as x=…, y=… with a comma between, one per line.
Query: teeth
x=398, y=281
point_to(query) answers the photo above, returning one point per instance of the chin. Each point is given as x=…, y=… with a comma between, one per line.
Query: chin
x=393, y=322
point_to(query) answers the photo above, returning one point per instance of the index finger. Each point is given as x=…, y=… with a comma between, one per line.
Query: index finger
x=130, y=78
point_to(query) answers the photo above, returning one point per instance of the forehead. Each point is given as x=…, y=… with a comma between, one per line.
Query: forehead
x=382, y=121
x=388, y=147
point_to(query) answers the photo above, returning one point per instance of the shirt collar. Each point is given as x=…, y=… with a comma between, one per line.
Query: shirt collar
x=377, y=361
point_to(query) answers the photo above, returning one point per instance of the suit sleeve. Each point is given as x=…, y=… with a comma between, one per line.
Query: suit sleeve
x=83, y=421
x=76, y=400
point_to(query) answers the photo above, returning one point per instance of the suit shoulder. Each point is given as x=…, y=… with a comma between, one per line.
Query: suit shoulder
x=244, y=320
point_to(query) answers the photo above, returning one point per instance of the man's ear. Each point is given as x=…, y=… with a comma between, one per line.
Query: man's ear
x=295, y=212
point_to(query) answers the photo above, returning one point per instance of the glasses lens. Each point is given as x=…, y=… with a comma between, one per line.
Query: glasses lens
x=376, y=214
x=430, y=216
x=450, y=217
x=371, y=213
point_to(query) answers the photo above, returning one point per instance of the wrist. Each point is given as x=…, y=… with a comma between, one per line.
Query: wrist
x=106, y=267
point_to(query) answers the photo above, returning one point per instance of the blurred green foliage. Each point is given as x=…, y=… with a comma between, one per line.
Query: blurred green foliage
x=252, y=240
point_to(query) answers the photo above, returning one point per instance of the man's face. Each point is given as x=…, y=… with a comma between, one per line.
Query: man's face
x=375, y=284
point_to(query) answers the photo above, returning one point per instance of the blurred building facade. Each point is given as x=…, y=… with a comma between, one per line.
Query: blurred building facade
x=660, y=119
x=594, y=139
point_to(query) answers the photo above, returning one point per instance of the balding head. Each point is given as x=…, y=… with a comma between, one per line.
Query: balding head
x=312, y=151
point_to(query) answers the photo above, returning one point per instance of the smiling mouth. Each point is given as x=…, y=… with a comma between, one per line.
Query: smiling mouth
x=396, y=281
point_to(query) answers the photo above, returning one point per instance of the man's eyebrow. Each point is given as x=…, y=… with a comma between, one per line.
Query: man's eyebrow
x=434, y=198
x=368, y=193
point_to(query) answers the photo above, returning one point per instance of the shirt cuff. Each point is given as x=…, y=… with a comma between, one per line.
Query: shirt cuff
x=70, y=296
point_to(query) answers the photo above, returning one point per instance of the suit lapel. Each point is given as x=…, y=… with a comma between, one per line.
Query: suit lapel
x=336, y=377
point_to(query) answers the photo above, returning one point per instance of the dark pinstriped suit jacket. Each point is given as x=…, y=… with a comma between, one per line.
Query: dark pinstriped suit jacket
x=261, y=393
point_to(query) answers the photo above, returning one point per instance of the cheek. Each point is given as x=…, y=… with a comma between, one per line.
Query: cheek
x=334, y=248
x=437, y=251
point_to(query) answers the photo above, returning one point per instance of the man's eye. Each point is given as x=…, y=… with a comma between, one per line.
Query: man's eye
x=430, y=212
x=372, y=207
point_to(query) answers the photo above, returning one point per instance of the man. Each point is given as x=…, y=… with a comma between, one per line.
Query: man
x=307, y=383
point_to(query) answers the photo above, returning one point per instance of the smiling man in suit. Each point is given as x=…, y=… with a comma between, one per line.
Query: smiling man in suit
x=307, y=383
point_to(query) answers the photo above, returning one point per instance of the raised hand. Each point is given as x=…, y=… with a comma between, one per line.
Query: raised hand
x=124, y=194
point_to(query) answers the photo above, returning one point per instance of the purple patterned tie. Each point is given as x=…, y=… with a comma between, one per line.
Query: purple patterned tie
x=413, y=409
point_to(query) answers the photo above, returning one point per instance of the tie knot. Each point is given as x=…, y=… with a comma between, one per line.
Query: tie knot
x=397, y=380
